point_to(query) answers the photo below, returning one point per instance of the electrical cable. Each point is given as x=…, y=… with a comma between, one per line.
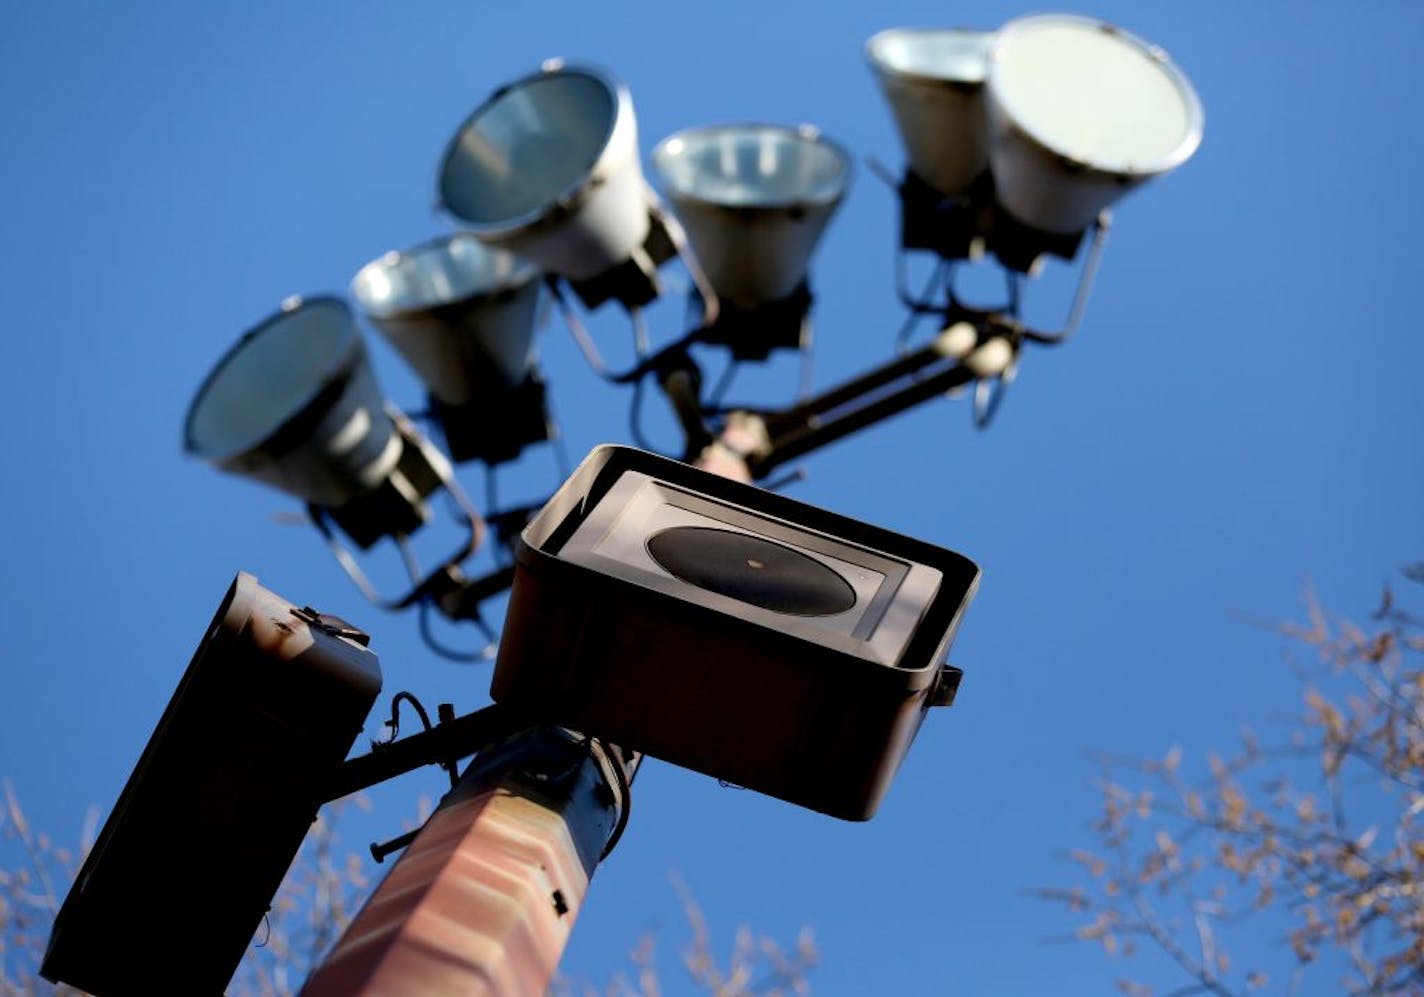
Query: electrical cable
x=561, y=455
x=922, y=306
x=808, y=360
x=625, y=799
x=412, y=565
x=343, y=556
x=576, y=328
x=427, y=635
x=987, y=397
x=724, y=382
x=492, y=508
x=556, y=441
x=883, y=172
x=394, y=722
x=635, y=418
x=1085, y=285
x=451, y=769
x=642, y=341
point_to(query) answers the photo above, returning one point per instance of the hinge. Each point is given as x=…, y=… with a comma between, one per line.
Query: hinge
x=333, y=625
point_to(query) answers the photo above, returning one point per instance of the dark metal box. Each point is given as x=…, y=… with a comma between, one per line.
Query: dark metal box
x=218, y=804
x=730, y=630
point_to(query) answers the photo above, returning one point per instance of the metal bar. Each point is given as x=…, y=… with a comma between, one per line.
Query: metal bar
x=484, y=898
x=851, y=390
x=445, y=742
x=681, y=388
x=789, y=441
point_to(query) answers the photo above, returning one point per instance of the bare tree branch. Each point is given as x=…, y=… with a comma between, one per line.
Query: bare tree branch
x=1323, y=832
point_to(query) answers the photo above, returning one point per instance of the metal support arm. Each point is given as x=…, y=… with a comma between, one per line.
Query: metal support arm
x=483, y=899
x=447, y=741
x=888, y=390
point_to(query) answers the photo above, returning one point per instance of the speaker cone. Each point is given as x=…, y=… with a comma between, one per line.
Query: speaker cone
x=751, y=569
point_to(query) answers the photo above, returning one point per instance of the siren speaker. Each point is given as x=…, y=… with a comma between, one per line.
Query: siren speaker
x=1080, y=112
x=295, y=405
x=220, y=801
x=730, y=630
x=933, y=79
x=548, y=168
x=754, y=200
x=460, y=313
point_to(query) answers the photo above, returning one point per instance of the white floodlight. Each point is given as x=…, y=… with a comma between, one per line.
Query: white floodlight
x=754, y=200
x=461, y=313
x=1080, y=112
x=295, y=405
x=933, y=79
x=548, y=168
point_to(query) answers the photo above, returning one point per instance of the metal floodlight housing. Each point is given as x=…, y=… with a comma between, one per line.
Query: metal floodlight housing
x=461, y=313
x=933, y=79
x=1080, y=112
x=548, y=168
x=295, y=405
x=754, y=200
x=730, y=630
x=188, y=861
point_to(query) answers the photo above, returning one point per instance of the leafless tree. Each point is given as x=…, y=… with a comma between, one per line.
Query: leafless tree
x=1314, y=843
x=756, y=966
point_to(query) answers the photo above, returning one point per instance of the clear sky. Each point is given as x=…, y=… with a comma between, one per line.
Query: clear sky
x=1240, y=414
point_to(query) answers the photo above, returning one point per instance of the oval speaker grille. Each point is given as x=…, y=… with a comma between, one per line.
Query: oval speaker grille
x=752, y=570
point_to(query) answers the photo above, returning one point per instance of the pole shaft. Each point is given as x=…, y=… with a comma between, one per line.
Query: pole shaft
x=483, y=900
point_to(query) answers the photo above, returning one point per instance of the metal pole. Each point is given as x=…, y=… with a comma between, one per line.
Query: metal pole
x=483, y=900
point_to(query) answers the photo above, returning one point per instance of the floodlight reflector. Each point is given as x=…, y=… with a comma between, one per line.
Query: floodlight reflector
x=547, y=167
x=933, y=79
x=295, y=404
x=461, y=314
x=754, y=200
x=1080, y=112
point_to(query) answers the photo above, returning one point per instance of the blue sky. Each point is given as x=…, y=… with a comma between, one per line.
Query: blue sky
x=1240, y=414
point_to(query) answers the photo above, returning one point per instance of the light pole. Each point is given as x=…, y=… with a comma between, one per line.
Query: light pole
x=1018, y=141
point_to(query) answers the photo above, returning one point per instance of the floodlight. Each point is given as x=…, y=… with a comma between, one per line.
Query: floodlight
x=547, y=167
x=730, y=630
x=933, y=79
x=754, y=200
x=1080, y=112
x=295, y=405
x=462, y=314
x=188, y=861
